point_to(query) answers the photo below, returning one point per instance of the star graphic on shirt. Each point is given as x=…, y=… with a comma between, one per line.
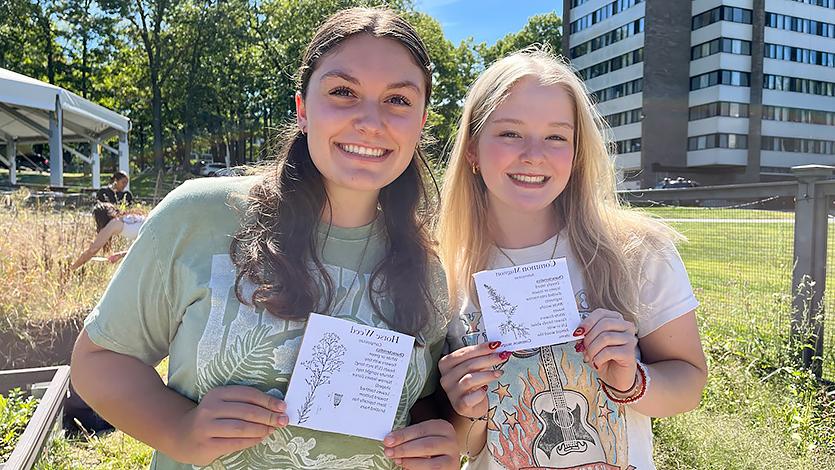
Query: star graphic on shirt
x=510, y=419
x=503, y=391
x=605, y=411
x=491, y=424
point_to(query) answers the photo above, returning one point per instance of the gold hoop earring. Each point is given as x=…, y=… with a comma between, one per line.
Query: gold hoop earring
x=475, y=169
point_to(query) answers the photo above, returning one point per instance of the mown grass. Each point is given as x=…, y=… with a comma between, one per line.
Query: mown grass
x=717, y=213
x=743, y=271
x=142, y=185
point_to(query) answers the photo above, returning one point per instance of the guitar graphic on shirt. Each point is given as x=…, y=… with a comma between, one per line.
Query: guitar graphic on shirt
x=566, y=438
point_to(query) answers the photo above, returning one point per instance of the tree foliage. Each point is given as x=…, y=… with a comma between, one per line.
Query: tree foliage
x=545, y=30
x=215, y=76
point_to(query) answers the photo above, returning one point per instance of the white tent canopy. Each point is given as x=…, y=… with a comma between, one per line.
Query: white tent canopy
x=32, y=111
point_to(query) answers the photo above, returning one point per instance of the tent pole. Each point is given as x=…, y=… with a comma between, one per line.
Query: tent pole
x=56, y=149
x=123, y=155
x=96, y=160
x=11, y=156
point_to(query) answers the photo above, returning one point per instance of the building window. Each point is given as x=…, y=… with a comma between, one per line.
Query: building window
x=819, y=3
x=615, y=63
x=727, y=45
x=623, y=118
x=794, y=145
x=805, y=116
x=628, y=146
x=798, y=85
x=733, y=14
x=720, y=77
x=799, y=25
x=722, y=141
x=607, y=11
x=577, y=3
x=719, y=108
x=798, y=54
x=606, y=39
x=618, y=91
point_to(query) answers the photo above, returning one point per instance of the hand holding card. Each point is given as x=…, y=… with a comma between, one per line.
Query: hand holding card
x=348, y=377
x=528, y=306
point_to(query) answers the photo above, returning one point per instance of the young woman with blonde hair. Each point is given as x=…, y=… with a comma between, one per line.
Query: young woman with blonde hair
x=531, y=178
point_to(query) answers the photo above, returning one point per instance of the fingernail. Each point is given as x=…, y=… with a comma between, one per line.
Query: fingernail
x=498, y=373
x=580, y=331
x=579, y=347
x=388, y=441
x=505, y=355
x=494, y=344
x=484, y=388
x=283, y=420
x=389, y=452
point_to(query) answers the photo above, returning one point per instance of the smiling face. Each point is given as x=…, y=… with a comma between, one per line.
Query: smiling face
x=363, y=113
x=526, y=148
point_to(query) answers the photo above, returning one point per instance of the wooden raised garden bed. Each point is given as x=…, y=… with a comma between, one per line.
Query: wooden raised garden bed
x=49, y=384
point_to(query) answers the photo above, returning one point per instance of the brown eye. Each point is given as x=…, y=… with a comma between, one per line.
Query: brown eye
x=399, y=100
x=341, y=91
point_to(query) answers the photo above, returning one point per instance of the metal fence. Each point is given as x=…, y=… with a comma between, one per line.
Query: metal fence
x=757, y=255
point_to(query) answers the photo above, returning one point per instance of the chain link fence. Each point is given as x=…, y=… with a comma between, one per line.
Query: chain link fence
x=743, y=259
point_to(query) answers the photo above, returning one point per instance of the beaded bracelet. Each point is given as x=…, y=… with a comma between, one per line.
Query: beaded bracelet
x=472, y=424
x=634, y=393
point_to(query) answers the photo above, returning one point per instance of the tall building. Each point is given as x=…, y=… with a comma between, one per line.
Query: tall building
x=717, y=91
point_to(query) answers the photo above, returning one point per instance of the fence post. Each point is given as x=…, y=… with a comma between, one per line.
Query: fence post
x=809, y=274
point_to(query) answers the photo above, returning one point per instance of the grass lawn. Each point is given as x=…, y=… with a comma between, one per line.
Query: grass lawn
x=743, y=271
x=713, y=213
x=142, y=185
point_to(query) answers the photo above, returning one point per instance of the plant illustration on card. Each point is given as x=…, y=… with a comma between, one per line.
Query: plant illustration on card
x=501, y=305
x=325, y=361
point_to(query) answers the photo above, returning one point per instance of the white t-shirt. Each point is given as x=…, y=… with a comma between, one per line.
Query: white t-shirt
x=132, y=224
x=522, y=431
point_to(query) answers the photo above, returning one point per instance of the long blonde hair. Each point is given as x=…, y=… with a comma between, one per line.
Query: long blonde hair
x=609, y=240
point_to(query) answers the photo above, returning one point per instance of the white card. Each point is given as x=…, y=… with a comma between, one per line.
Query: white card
x=348, y=377
x=528, y=306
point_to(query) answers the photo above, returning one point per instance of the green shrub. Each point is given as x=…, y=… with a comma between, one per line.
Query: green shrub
x=15, y=411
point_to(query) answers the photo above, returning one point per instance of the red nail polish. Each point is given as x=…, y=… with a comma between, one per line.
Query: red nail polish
x=505, y=355
x=579, y=347
x=494, y=344
x=484, y=388
x=579, y=331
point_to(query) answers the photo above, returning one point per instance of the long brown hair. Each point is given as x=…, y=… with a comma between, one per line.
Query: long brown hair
x=278, y=238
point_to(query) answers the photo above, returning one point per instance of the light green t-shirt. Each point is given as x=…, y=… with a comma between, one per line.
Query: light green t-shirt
x=174, y=296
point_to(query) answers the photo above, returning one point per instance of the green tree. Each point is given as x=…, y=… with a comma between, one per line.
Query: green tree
x=541, y=29
x=454, y=69
x=90, y=40
x=149, y=20
x=29, y=39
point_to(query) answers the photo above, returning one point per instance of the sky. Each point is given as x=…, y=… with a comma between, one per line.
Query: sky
x=485, y=20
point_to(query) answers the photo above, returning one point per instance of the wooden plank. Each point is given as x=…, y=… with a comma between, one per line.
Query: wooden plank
x=49, y=411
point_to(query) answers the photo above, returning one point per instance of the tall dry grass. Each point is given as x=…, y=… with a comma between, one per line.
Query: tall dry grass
x=38, y=242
